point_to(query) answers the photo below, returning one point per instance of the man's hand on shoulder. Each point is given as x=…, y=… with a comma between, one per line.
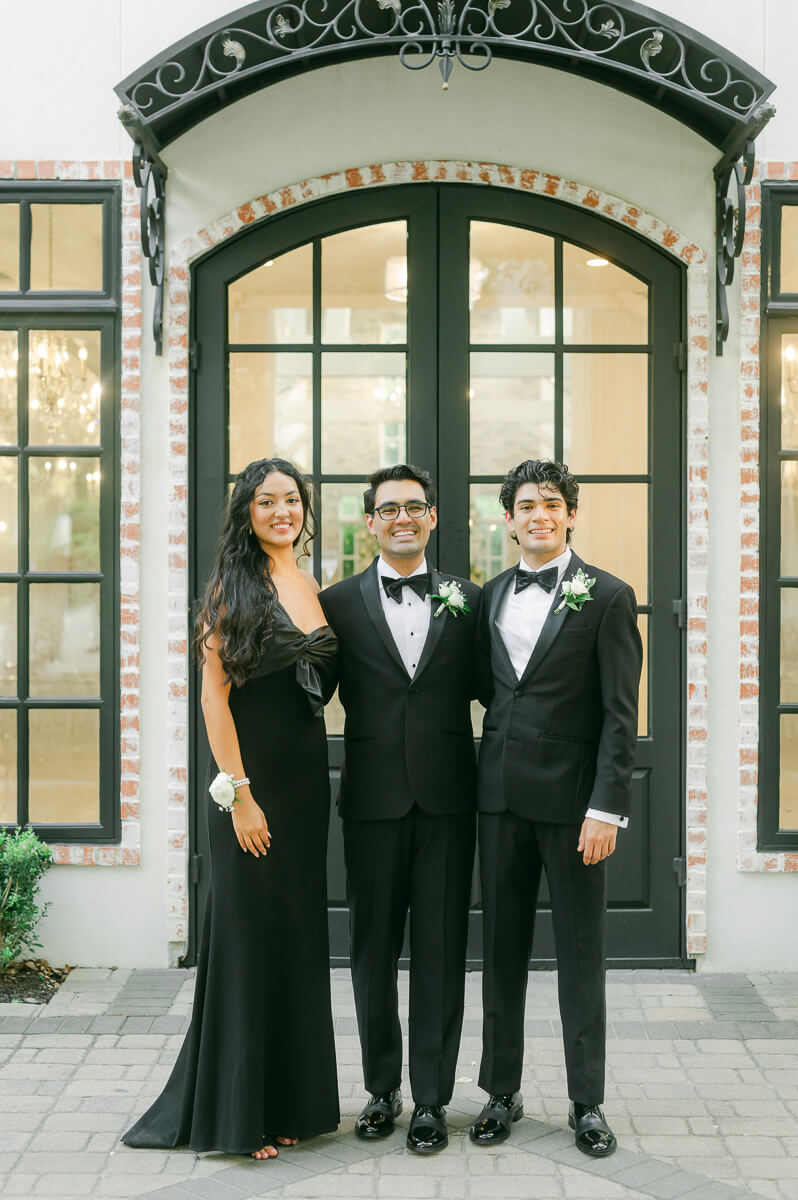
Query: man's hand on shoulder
x=596, y=840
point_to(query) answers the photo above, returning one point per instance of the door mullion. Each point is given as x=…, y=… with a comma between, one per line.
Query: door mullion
x=559, y=357
x=422, y=339
x=453, y=382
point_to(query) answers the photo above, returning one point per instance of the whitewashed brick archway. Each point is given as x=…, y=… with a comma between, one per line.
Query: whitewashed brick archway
x=521, y=179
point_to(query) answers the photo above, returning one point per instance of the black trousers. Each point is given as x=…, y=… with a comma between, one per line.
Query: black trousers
x=423, y=864
x=513, y=852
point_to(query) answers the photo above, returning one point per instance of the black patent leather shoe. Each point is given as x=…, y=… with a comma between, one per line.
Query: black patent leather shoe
x=427, y=1132
x=378, y=1117
x=496, y=1120
x=592, y=1134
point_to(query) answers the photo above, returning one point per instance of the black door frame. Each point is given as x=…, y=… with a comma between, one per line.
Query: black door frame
x=426, y=313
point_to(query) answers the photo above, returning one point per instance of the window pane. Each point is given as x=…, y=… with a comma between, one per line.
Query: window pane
x=789, y=518
x=642, y=704
x=9, y=247
x=271, y=409
x=347, y=547
x=788, y=778
x=511, y=284
x=8, y=765
x=66, y=252
x=363, y=412
x=789, y=645
x=9, y=356
x=491, y=548
x=8, y=639
x=64, y=766
x=64, y=514
x=612, y=531
x=605, y=414
x=273, y=303
x=602, y=302
x=364, y=285
x=8, y=514
x=65, y=639
x=65, y=388
x=511, y=396
x=789, y=390
x=788, y=274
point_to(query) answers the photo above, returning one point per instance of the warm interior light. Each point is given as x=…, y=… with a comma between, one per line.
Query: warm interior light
x=789, y=353
x=396, y=279
x=598, y=262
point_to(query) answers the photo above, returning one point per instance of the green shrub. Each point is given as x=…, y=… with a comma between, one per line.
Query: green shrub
x=23, y=860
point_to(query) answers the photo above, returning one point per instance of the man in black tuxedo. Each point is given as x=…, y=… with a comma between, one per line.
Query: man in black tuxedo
x=559, y=659
x=407, y=801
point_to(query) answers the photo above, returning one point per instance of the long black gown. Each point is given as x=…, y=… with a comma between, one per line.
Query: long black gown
x=259, y=1056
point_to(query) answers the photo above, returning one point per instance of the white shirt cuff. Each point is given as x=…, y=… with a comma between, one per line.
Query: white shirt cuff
x=610, y=818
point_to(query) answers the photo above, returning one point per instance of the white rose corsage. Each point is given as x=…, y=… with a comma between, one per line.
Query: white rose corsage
x=575, y=591
x=452, y=597
x=223, y=790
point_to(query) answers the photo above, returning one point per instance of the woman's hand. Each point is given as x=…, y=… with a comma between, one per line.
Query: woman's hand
x=250, y=825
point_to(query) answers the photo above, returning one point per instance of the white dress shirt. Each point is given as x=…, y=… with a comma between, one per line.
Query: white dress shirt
x=520, y=621
x=409, y=621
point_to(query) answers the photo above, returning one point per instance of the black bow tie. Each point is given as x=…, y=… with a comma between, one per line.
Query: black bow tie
x=419, y=583
x=546, y=579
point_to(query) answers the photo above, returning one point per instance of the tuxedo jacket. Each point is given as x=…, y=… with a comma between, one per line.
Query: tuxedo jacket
x=561, y=739
x=406, y=740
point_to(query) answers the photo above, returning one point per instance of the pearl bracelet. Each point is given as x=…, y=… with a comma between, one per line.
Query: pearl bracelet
x=223, y=790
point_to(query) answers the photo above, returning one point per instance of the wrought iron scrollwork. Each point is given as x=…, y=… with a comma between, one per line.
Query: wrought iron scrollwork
x=618, y=41
x=732, y=175
x=624, y=37
x=149, y=174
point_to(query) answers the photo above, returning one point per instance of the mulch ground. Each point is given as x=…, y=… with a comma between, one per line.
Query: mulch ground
x=31, y=982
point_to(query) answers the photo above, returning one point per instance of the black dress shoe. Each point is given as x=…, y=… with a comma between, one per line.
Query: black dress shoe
x=378, y=1117
x=496, y=1119
x=592, y=1134
x=427, y=1132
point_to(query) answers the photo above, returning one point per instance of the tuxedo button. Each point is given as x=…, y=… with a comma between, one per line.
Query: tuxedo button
x=518, y=692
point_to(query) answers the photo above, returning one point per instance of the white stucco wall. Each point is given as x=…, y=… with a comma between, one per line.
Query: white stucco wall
x=348, y=116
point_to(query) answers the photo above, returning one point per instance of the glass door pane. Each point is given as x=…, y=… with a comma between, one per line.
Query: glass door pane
x=271, y=408
x=605, y=413
x=602, y=303
x=273, y=304
x=364, y=285
x=510, y=284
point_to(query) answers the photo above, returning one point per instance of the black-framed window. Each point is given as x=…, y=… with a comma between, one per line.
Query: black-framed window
x=59, y=514
x=778, y=774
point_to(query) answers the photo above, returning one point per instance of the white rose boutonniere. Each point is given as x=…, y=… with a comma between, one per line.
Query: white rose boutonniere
x=575, y=591
x=452, y=597
x=223, y=790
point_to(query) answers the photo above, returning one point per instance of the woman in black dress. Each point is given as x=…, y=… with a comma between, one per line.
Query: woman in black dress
x=258, y=1063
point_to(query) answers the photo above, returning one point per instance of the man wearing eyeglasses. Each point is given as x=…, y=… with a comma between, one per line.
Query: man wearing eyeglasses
x=407, y=799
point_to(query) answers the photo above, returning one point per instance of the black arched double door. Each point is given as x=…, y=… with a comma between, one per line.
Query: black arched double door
x=464, y=329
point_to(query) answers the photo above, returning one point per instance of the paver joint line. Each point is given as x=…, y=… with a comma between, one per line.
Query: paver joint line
x=701, y=1055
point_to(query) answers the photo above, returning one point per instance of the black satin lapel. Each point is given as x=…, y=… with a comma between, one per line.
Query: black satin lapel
x=497, y=599
x=553, y=623
x=370, y=591
x=436, y=624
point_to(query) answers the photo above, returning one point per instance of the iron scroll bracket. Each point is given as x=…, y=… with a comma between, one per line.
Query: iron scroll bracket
x=149, y=175
x=732, y=174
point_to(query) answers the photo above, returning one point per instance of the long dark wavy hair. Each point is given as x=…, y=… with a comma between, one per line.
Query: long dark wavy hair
x=238, y=606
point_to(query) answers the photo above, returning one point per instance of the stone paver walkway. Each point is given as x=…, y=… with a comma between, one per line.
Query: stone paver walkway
x=702, y=1093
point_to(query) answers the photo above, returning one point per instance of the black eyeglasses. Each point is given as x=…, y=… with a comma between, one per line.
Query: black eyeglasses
x=415, y=508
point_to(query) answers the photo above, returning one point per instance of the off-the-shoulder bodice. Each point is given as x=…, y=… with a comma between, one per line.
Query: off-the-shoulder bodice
x=314, y=653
